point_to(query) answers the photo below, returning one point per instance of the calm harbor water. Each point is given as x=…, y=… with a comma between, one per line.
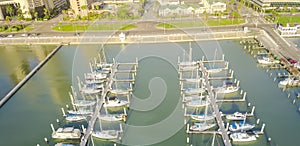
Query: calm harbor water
x=17, y=62
x=26, y=117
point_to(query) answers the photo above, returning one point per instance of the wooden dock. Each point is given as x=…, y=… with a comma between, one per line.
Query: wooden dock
x=215, y=107
x=99, y=105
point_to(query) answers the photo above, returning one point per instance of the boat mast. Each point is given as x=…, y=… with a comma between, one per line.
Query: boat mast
x=190, y=53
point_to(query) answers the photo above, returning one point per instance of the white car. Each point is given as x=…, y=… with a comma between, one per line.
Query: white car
x=10, y=36
x=24, y=35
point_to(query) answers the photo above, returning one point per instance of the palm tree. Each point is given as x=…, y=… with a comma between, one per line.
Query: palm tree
x=19, y=13
x=84, y=8
x=193, y=11
x=206, y=15
x=9, y=9
x=46, y=13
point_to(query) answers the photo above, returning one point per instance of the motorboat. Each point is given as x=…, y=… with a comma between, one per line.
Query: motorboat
x=106, y=134
x=66, y=133
x=114, y=102
x=288, y=81
x=241, y=126
x=236, y=116
x=202, y=117
x=242, y=137
x=267, y=61
x=112, y=117
x=202, y=126
x=227, y=88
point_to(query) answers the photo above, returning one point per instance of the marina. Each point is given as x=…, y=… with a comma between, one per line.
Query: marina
x=207, y=120
x=259, y=110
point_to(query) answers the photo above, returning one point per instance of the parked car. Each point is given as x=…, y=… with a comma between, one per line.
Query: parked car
x=10, y=35
x=24, y=35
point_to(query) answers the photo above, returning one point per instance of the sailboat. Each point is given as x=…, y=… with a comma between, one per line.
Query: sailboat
x=205, y=116
x=118, y=91
x=202, y=126
x=198, y=102
x=189, y=65
x=75, y=117
x=113, y=117
x=77, y=102
x=192, y=97
x=110, y=135
x=90, y=88
x=194, y=80
x=227, y=88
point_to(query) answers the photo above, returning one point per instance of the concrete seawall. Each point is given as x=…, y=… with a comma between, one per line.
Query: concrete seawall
x=181, y=37
x=32, y=73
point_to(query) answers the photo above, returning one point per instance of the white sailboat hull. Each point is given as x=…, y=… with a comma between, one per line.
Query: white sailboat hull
x=106, y=134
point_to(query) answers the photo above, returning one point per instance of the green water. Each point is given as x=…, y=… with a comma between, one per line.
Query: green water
x=26, y=118
x=17, y=62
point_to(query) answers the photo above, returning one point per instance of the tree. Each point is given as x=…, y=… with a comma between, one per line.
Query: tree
x=35, y=14
x=20, y=15
x=123, y=12
x=9, y=10
x=97, y=7
x=275, y=15
x=46, y=13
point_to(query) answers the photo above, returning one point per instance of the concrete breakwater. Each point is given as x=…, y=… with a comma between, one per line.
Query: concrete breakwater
x=32, y=73
x=115, y=39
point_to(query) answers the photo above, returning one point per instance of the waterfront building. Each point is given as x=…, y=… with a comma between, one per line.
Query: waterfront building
x=27, y=6
x=288, y=30
x=276, y=4
x=190, y=7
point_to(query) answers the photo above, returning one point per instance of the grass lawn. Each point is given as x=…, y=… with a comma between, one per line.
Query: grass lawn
x=28, y=28
x=224, y=22
x=78, y=27
x=198, y=23
x=289, y=19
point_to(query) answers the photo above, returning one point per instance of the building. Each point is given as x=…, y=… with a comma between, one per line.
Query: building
x=190, y=7
x=276, y=4
x=80, y=7
x=27, y=6
x=216, y=6
x=288, y=30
